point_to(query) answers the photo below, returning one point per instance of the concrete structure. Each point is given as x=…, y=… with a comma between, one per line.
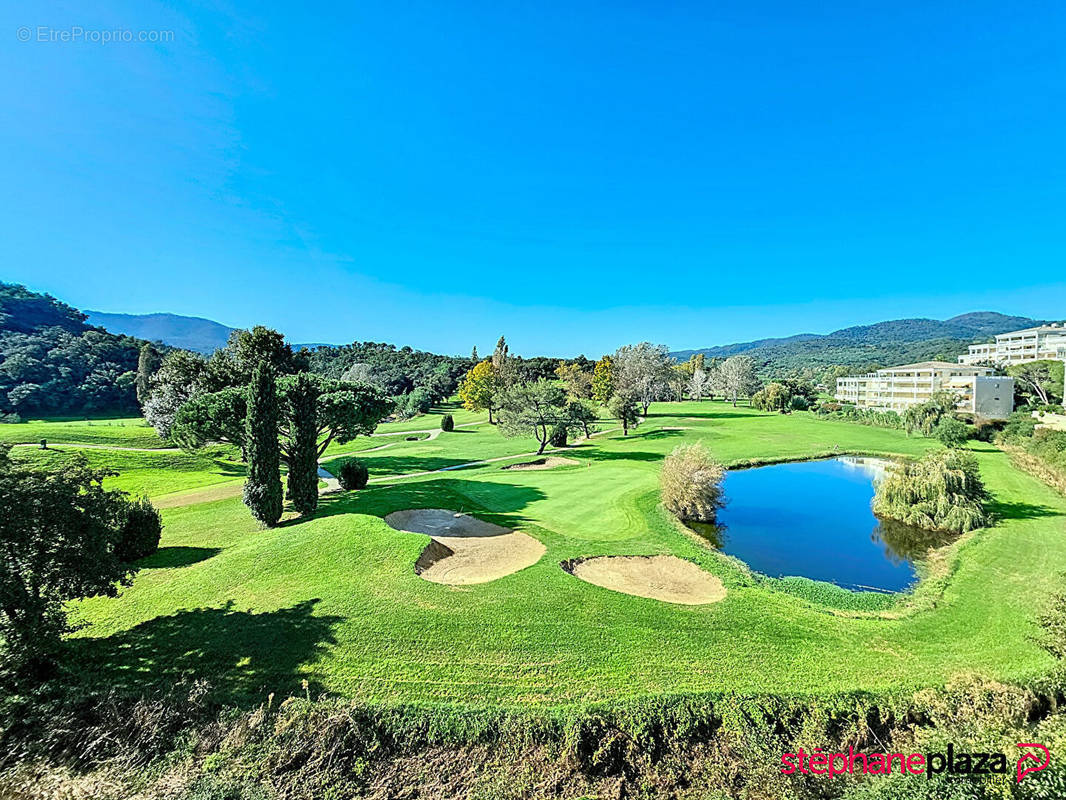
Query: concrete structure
x=898, y=388
x=1031, y=344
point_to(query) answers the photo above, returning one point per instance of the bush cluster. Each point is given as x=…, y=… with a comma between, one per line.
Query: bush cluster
x=353, y=475
x=691, y=483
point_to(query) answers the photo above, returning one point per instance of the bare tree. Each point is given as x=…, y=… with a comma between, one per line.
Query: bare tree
x=697, y=384
x=738, y=377
x=642, y=371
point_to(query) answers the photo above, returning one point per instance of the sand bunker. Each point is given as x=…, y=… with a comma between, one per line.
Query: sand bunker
x=666, y=578
x=548, y=462
x=464, y=549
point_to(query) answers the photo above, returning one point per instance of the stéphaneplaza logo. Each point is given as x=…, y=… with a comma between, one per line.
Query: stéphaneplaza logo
x=1035, y=758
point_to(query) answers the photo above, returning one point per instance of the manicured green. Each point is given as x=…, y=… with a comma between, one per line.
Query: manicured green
x=334, y=599
x=117, y=432
x=149, y=473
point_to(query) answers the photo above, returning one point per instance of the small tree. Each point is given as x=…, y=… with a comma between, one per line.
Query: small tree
x=772, y=397
x=623, y=407
x=302, y=429
x=479, y=389
x=558, y=435
x=691, y=483
x=582, y=414
x=536, y=409
x=924, y=417
x=603, y=380
x=951, y=432
x=353, y=475
x=447, y=423
x=941, y=492
x=262, y=489
x=59, y=541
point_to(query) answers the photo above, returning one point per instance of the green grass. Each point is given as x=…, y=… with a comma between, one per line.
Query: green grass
x=335, y=600
x=447, y=450
x=148, y=473
x=431, y=421
x=117, y=432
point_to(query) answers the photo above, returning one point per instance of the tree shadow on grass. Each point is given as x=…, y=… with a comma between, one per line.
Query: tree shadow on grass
x=386, y=466
x=494, y=501
x=655, y=434
x=242, y=654
x=620, y=455
x=718, y=411
x=1010, y=510
x=230, y=469
x=168, y=557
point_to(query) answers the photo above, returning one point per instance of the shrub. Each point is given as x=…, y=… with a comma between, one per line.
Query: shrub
x=353, y=475
x=941, y=492
x=447, y=423
x=799, y=403
x=691, y=483
x=139, y=536
x=951, y=433
x=1019, y=427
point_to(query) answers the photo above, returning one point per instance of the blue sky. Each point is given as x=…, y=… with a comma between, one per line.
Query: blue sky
x=575, y=175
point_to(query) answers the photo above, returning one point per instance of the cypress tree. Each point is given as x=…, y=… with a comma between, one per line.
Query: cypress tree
x=147, y=364
x=303, y=461
x=262, y=490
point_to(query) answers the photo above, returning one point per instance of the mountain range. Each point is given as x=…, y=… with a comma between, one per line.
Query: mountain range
x=190, y=333
x=890, y=343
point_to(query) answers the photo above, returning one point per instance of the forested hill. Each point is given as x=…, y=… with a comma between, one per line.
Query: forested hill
x=52, y=362
x=898, y=341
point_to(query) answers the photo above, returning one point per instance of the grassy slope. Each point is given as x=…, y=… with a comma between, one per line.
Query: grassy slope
x=142, y=472
x=335, y=599
x=117, y=432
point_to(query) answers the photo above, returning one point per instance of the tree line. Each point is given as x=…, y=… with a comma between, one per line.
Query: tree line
x=552, y=407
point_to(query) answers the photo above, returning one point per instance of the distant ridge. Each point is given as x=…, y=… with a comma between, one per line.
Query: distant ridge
x=191, y=333
x=888, y=343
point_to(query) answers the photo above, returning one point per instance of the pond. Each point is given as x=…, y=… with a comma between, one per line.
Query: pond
x=813, y=519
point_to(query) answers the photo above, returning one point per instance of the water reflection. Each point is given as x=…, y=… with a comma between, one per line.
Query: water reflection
x=814, y=519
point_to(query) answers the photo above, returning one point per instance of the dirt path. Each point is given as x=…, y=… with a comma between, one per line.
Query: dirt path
x=433, y=432
x=465, y=550
x=79, y=446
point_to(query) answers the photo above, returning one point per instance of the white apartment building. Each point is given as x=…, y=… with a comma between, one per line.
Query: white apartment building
x=898, y=388
x=1031, y=344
